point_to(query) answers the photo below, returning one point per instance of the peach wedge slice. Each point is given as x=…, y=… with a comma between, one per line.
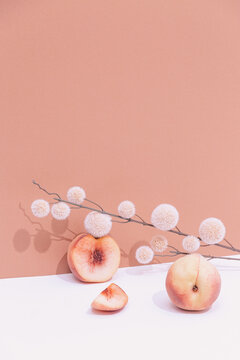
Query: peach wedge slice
x=111, y=299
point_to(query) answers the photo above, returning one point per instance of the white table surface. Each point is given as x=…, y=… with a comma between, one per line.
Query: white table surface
x=49, y=317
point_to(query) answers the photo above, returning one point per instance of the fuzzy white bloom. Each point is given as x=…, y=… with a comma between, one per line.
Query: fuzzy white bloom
x=40, y=208
x=76, y=195
x=191, y=243
x=159, y=243
x=212, y=231
x=126, y=209
x=97, y=224
x=144, y=254
x=60, y=211
x=165, y=217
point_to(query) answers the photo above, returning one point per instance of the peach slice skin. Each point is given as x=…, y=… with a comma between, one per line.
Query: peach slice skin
x=113, y=298
x=93, y=260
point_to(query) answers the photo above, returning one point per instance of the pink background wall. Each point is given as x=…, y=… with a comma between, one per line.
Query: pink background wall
x=133, y=100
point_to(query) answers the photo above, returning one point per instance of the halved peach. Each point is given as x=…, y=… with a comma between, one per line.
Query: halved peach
x=111, y=299
x=93, y=260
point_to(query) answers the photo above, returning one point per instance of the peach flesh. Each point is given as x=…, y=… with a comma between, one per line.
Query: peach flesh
x=193, y=283
x=93, y=260
x=113, y=298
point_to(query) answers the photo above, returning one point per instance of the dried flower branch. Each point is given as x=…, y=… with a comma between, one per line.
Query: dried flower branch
x=164, y=217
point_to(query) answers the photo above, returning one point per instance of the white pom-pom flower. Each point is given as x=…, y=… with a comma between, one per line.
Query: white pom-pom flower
x=165, y=217
x=144, y=254
x=159, y=243
x=191, y=243
x=40, y=208
x=98, y=224
x=60, y=211
x=126, y=209
x=212, y=231
x=76, y=195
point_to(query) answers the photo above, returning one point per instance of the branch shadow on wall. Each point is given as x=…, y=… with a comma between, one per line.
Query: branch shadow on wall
x=41, y=238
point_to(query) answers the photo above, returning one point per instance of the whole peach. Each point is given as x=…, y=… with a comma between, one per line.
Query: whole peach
x=193, y=283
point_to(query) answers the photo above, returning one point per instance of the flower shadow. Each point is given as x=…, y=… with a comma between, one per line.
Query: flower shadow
x=21, y=240
x=41, y=237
